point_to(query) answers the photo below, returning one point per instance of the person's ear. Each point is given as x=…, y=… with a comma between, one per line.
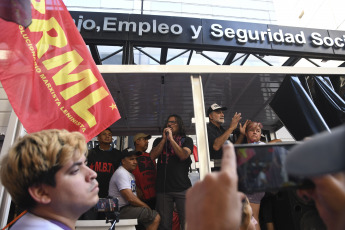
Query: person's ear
x=39, y=193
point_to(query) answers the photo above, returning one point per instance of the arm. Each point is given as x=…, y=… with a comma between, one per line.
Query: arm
x=219, y=141
x=275, y=141
x=223, y=205
x=132, y=198
x=182, y=152
x=157, y=150
x=242, y=133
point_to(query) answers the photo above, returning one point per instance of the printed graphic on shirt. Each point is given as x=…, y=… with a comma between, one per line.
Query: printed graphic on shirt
x=145, y=163
x=102, y=167
x=133, y=186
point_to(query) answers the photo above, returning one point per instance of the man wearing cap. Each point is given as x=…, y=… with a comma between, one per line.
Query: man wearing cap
x=217, y=135
x=145, y=173
x=122, y=186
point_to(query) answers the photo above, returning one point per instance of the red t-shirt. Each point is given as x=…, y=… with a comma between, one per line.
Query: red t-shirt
x=145, y=176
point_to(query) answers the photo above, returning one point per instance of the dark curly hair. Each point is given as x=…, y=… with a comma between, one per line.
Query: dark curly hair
x=181, y=128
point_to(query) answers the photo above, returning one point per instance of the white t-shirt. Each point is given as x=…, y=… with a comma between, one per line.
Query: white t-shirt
x=121, y=179
x=30, y=221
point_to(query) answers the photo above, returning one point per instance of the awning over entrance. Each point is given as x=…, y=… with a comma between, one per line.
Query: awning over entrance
x=146, y=95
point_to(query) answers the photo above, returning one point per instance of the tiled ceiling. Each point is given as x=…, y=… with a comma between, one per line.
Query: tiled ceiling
x=145, y=100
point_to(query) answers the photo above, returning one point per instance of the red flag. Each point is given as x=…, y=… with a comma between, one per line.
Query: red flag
x=49, y=75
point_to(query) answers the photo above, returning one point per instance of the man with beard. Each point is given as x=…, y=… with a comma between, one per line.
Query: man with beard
x=173, y=151
x=217, y=135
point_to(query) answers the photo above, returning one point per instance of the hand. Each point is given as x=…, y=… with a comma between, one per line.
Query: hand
x=243, y=128
x=215, y=202
x=329, y=198
x=235, y=119
x=167, y=133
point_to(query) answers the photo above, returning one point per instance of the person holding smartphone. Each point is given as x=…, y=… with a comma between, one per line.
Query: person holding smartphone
x=321, y=159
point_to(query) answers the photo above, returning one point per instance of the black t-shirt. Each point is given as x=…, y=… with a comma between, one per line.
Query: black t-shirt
x=173, y=175
x=214, y=132
x=104, y=163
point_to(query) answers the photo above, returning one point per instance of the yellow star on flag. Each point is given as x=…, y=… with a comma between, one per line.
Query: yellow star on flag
x=113, y=106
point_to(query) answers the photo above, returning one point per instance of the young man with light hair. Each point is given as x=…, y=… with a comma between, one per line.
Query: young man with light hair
x=46, y=174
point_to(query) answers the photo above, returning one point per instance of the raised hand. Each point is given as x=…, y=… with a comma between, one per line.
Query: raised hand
x=234, y=121
x=215, y=202
x=243, y=127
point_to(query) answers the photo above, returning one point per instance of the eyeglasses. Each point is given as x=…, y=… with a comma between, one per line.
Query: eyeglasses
x=172, y=122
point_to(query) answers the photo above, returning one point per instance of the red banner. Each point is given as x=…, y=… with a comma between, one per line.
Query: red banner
x=49, y=75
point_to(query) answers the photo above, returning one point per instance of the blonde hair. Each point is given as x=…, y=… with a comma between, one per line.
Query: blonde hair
x=246, y=214
x=35, y=159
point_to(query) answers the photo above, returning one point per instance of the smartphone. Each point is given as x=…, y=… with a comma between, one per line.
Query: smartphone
x=261, y=168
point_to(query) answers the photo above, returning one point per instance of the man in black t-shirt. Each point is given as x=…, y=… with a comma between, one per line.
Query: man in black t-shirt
x=217, y=135
x=104, y=160
x=173, y=151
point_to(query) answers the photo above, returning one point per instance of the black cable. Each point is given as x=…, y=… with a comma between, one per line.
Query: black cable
x=165, y=173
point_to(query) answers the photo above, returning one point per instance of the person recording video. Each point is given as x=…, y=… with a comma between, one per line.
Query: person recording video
x=215, y=202
x=321, y=159
x=46, y=174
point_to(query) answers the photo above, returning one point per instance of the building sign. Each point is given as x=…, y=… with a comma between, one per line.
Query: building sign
x=204, y=34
